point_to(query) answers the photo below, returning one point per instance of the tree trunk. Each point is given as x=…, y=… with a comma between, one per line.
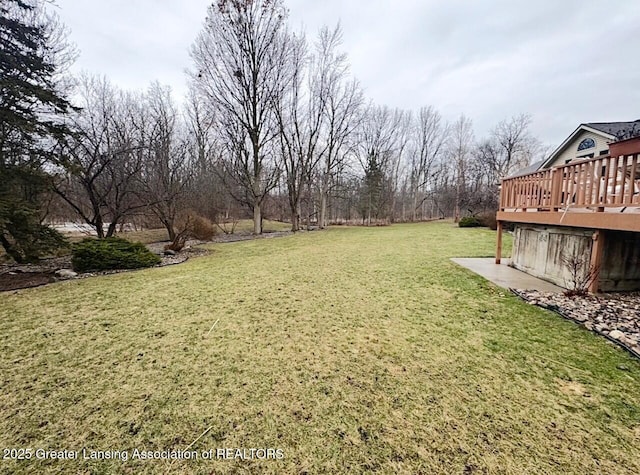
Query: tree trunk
x=294, y=207
x=99, y=225
x=322, y=221
x=392, y=214
x=310, y=205
x=10, y=250
x=169, y=227
x=456, y=207
x=111, y=230
x=414, y=212
x=257, y=219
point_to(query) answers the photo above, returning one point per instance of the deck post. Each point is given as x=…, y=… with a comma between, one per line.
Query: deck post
x=499, y=244
x=596, y=259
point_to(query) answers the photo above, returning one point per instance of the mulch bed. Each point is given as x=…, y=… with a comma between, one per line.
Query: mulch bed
x=22, y=280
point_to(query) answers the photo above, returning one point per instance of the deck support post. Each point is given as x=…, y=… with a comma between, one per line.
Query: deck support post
x=597, y=249
x=499, y=243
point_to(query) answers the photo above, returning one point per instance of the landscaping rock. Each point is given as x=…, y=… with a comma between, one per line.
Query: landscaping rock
x=66, y=274
x=617, y=334
x=169, y=252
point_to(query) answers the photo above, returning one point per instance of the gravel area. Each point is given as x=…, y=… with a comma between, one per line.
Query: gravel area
x=615, y=316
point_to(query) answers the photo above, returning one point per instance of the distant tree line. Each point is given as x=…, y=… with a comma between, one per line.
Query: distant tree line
x=274, y=126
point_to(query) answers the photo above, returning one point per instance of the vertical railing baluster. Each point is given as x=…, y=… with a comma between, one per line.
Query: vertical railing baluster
x=589, y=184
x=632, y=178
x=614, y=171
x=605, y=173
x=598, y=179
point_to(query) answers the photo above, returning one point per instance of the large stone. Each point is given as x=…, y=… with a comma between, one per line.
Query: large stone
x=617, y=334
x=169, y=252
x=625, y=340
x=66, y=274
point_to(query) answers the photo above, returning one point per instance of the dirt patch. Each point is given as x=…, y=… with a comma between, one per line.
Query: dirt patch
x=158, y=247
x=572, y=388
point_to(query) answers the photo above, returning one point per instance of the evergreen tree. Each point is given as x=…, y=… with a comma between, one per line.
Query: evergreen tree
x=375, y=186
x=31, y=112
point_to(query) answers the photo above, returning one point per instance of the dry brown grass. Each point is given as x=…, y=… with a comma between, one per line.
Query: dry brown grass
x=354, y=350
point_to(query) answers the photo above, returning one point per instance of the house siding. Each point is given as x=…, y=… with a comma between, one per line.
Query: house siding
x=571, y=150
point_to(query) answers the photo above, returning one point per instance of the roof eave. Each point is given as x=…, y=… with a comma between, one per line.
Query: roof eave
x=564, y=144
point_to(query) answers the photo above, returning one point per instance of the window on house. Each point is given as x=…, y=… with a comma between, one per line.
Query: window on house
x=604, y=152
x=586, y=144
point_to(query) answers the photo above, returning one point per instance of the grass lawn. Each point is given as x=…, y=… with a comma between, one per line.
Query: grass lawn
x=353, y=350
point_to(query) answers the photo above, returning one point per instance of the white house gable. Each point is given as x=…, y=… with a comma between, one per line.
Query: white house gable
x=585, y=144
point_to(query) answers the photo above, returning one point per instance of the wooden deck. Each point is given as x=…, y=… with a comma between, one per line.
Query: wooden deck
x=598, y=193
x=601, y=193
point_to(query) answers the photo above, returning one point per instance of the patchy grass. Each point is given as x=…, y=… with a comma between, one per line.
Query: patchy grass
x=268, y=226
x=146, y=236
x=353, y=350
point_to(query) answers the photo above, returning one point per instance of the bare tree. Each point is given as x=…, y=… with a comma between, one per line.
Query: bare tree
x=460, y=149
x=166, y=170
x=382, y=140
x=241, y=58
x=515, y=143
x=431, y=138
x=207, y=193
x=301, y=119
x=402, y=139
x=342, y=112
x=104, y=159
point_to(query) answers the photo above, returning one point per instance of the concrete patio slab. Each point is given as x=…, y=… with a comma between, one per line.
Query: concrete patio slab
x=504, y=275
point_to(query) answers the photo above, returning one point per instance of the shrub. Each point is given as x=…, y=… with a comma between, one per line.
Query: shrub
x=469, y=222
x=489, y=220
x=111, y=253
x=192, y=226
x=201, y=228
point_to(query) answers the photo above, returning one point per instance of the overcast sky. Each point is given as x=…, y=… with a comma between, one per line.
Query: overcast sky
x=563, y=61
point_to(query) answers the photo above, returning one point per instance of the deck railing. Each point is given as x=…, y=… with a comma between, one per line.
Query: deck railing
x=597, y=184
